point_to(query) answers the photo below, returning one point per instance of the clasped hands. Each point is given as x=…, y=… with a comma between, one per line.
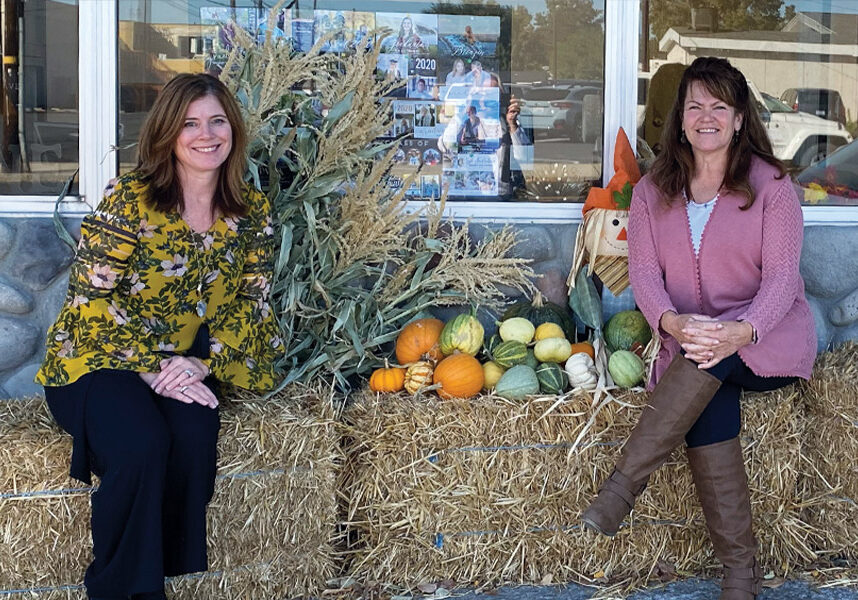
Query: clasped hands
x=705, y=340
x=181, y=378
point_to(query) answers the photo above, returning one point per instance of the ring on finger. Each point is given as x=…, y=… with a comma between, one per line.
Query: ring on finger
x=182, y=389
x=190, y=372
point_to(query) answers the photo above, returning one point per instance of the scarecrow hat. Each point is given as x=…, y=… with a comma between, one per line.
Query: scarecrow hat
x=625, y=171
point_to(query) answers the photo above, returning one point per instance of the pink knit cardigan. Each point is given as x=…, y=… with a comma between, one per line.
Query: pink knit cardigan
x=747, y=269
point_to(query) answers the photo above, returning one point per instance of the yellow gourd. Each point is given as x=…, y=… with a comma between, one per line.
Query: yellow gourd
x=553, y=350
x=492, y=373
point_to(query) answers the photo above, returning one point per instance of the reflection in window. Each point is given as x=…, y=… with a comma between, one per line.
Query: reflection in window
x=497, y=102
x=39, y=136
x=801, y=71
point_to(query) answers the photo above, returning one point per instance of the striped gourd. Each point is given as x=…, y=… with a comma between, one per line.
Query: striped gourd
x=552, y=378
x=510, y=353
x=464, y=333
x=418, y=375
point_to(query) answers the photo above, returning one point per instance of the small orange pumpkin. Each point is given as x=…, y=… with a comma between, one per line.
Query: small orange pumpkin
x=460, y=375
x=418, y=375
x=585, y=347
x=419, y=341
x=387, y=379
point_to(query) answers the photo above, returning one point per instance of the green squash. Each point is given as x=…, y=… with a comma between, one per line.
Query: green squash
x=626, y=368
x=625, y=328
x=517, y=383
x=531, y=360
x=509, y=354
x=552, y=378
x=538, y=311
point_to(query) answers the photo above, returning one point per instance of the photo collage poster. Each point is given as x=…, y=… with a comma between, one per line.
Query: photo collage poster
x=446, y=115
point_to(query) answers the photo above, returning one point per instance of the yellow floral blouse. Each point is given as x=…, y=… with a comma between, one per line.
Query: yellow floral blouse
x=143, y=282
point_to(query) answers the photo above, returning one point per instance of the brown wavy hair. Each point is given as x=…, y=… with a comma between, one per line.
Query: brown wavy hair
x=156, y=159
x=674, y=167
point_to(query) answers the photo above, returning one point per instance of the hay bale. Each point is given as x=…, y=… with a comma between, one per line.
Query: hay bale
x=490, y=491
x=272, y=521
x=830, y=474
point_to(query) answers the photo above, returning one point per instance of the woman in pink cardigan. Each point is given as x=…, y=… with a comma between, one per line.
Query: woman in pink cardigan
x=715, y=234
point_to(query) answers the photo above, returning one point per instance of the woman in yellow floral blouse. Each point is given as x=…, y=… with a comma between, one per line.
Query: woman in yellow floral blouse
x=168, y=292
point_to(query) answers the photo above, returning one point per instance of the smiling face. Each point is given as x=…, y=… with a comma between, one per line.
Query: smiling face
x=206, y=138
x=708, y=122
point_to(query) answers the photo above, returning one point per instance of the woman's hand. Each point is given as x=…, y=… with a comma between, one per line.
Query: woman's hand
x=731, y=336
x=178, y=371
x=194, y=392
x=705, y=340
x=690, y=329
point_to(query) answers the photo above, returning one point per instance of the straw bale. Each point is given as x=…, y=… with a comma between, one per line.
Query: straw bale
x=272, y=521
x=830, y=482
x=490, y=491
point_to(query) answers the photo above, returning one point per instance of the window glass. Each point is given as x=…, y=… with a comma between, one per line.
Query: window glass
x=799, y=59
x=498, y=102
x=39, y=104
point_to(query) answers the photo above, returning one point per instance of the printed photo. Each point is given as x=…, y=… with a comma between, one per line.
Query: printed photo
x=468, y=36
x=431, y=186
x=333, y=26
x=420, y=87
x=411, y=34
x=392, y=67
x=362, y=23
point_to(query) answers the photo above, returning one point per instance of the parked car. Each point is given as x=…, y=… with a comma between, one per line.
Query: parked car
x=556, y=109
x=821, y=102
x=797, y=137
x=834, y=179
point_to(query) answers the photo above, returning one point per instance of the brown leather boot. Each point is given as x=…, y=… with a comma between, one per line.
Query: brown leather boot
x=722, y=486
x=677, y=400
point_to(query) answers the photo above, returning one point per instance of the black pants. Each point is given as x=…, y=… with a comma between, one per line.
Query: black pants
x=156, y=458
x=721, y=420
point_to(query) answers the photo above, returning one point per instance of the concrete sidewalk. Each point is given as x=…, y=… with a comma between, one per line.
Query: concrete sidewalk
x=693, y=589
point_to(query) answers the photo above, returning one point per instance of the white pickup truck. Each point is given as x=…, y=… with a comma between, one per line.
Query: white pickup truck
x=797, y=137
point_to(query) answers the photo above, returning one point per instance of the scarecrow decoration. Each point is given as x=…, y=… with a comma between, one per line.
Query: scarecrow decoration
x=602, y=237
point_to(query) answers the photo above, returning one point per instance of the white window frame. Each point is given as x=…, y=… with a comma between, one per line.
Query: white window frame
x=98, y=101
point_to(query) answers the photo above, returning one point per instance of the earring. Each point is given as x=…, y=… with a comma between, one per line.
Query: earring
x=682, y=137
x=736, y=136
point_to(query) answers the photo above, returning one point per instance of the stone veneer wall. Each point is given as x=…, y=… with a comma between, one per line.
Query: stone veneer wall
x=34, y=271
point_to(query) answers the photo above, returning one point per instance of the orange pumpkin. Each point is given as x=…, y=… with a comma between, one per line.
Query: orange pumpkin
x=419, y=341
x=460, y=375
x=585, y=347
x=387, y=379
x=418, y=375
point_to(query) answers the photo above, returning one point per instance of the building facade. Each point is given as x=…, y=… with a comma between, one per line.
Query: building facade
x=509, y=107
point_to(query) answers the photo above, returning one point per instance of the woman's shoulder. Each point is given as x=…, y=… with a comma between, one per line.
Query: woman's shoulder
x=123, y=197
x=763, y=174
x=646, y=190
x=257, y=203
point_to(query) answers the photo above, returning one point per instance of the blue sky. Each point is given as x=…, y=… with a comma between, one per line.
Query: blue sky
x=835, y=6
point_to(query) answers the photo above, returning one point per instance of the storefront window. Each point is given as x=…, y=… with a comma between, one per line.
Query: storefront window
x=499, y=102
x=39, y=104
x=800, y=61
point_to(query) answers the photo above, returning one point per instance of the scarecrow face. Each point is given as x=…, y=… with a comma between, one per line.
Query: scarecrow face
x=613, y=240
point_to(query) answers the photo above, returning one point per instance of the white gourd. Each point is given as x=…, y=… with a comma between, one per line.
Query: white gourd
x=582, y=371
